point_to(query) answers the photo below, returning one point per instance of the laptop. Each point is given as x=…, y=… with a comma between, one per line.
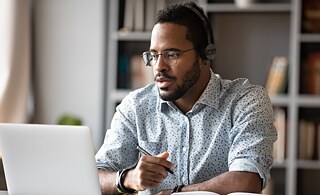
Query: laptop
x=48, y=159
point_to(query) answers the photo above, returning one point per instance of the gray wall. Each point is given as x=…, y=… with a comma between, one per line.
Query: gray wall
x=69, y=51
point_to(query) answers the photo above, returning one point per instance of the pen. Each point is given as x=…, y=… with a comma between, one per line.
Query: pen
x=143, y=151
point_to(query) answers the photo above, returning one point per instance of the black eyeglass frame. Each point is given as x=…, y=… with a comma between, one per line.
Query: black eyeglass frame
x=165, y=56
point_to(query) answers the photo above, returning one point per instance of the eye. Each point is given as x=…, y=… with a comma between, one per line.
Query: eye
x=172, y=55
x=153, y=56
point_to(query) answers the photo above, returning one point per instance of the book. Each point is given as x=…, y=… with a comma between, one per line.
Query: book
x=311, y=26
x=310, y=139
x=122, y=80
x=310, y=74
x=306, y=139
x=302, y=139
x=311, y=16
x=279, y=145
x=128, y=15
x=138, y=23
x=150, y=14
x=141, y=75
x=277, y=77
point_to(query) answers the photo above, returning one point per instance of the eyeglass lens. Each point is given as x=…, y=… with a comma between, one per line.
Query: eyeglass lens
x=169, y=57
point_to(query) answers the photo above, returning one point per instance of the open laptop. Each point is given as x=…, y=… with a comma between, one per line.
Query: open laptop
x=48, y=159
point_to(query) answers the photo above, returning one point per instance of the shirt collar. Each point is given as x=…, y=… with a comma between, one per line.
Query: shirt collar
x=210, y=95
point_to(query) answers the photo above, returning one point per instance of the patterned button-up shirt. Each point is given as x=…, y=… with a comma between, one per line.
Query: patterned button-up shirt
x=230, y=128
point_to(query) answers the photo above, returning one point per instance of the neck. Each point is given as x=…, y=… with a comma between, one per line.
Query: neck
x=187, y=101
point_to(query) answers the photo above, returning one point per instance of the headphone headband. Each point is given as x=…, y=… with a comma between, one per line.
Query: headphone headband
x=210, y=50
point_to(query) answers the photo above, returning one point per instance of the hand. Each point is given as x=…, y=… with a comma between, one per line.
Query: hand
x=149, y=172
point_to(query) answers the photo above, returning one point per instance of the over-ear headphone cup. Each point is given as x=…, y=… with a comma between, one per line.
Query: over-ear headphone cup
x=210, y=52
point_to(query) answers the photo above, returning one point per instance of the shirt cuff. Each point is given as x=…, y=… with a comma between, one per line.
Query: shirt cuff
x=251, y=166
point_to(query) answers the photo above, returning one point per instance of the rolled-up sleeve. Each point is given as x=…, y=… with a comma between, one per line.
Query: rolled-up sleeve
x=118, y=150
x=253, y=134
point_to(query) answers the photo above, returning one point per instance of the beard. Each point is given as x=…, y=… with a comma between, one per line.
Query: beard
x=188, y=81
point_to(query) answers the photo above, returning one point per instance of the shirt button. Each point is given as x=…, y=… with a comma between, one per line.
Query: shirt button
x=184, y=149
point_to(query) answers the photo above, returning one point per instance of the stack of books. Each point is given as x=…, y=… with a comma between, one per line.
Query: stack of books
x=310, y=74
x=311, y=16
x=309, y=140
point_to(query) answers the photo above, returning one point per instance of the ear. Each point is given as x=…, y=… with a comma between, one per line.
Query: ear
x=204, y=62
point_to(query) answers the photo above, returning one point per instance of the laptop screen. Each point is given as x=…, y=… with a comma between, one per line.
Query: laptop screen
x=48, y=159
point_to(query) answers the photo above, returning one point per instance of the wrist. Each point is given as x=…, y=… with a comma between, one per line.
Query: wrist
x=178, y=188
x=121, y=188
x=127, y=180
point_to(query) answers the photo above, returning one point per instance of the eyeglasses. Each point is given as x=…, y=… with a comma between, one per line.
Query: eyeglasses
x=170, y=57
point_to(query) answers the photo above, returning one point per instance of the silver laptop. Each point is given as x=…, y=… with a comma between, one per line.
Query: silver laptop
x=48, y=160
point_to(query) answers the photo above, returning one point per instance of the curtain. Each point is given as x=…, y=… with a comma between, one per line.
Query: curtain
x=15, y=60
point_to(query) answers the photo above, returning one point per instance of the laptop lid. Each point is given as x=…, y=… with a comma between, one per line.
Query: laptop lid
x=48, y=159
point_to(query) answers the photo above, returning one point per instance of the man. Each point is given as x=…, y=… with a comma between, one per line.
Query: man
x=214, y=134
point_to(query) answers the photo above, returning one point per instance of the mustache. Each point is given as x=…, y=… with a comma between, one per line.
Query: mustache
x=165, y=75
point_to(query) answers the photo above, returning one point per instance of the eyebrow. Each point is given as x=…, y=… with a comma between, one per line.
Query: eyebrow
x=168, y=49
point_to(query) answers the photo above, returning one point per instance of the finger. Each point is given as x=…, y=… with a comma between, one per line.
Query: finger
x=146, y=179
x=144, y=184
x=152, y=165
x=164, y=155
x=163, y=160
x=151, y=176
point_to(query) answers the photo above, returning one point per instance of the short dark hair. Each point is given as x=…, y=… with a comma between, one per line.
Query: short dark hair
x=197, y=32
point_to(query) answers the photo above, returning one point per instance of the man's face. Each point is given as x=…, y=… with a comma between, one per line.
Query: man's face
x=174, y=81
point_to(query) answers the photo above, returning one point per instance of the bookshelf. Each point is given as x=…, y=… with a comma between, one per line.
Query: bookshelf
x=247, y=40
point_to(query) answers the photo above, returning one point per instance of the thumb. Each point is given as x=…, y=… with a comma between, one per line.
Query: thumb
x=164, y=155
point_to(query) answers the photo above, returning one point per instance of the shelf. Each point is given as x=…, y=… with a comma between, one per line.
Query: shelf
x=131, y=36
x=259, y=7
x=280, y=100
x=308, y=164
x=309, y=100
x=313, y=38
x=280, y=165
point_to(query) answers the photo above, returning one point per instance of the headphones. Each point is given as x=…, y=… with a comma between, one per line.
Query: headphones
x=210, y=50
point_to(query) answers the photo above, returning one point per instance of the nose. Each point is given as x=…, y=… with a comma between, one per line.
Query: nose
x=160, y=65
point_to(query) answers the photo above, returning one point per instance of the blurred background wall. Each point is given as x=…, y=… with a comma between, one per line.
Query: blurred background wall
x=68, y=58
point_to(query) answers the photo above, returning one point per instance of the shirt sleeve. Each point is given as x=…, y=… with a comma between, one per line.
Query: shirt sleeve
x=119, y=148
x=253, y=133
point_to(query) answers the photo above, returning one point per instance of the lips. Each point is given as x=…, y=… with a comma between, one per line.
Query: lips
x=163, y=82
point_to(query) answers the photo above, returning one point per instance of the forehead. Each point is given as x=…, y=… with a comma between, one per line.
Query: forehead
x=169, y=35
